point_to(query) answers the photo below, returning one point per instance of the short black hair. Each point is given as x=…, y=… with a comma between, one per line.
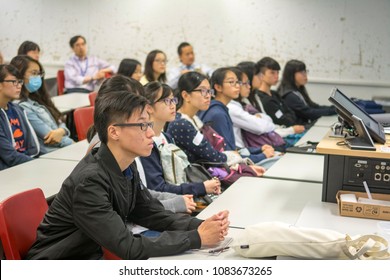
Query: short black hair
x=74, y=39
x=27, y=46
x=128, y=66
x=6, y=69
x=267, y=63
x=115, y=106
x=181, y=46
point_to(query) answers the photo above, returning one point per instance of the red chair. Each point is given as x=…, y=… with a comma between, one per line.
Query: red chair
x=60, y=82
x=83, y=119
x=92, y=97
x=20, y=216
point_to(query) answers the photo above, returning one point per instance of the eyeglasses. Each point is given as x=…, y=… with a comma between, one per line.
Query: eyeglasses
x=169, y=101
x=37, y=73
x=205, y=92
x=234, y=83
x=15, y=82
x=247, y=84
x=144, y=126
x=161, y=61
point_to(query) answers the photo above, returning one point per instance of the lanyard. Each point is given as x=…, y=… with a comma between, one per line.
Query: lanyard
x=83, y=72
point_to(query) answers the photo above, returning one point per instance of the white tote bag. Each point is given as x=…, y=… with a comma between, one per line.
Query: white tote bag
x=281, y=239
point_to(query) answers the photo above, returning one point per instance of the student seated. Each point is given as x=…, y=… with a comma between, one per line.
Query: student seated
x=18, y=142
x=83, y=72
x=29, y=48
x=130, y=68
x=103, y=193
x=162, y=109
x=44, y=117
x=155, y=67
x=227, y=87
x=194, y=94
x=293, y=92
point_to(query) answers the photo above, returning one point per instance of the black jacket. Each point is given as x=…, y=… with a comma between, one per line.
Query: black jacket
x=91, y=210
x=274, y=106
x=305, y=112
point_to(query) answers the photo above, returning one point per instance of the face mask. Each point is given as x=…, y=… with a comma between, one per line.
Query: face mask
x=34, y=83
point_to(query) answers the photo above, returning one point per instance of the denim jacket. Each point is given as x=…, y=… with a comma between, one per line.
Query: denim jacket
x=8, y=155
x=43, y=122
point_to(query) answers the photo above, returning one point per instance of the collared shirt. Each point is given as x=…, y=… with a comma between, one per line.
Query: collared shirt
x=175, y=73
x=76, y=70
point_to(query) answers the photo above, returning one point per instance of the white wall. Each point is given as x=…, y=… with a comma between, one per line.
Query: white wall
x=345, y=42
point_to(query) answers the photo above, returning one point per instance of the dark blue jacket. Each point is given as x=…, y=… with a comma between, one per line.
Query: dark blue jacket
x=184, y=133
x=155, y=176
x=218, y=116
x=8, y=155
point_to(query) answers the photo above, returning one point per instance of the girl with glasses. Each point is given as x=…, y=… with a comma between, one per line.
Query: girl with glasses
x=155, y=67
x=293, y=92
x=194, y=95
x=227, y=87
x=18, y=141
x=162, y=109
x=45, y=118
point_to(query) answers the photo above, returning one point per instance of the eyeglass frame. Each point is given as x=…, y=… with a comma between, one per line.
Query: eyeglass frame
x=15, y=83
x=233, y=83
x=205, y=92
x=143, y=126
x=247, y=84
x=39, y=74
x=168, y=101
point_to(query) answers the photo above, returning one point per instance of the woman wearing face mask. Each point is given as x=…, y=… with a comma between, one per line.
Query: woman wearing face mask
x=41, y=112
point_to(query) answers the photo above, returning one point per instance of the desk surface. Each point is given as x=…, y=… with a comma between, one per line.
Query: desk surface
x=73, y=152
x=47, y=174
x=318, y=214
x=326, y=121
x=298, y=167
x=314, y=134
x=229, y=254
x=71, y=101
x=328, y=145
x=252, y=200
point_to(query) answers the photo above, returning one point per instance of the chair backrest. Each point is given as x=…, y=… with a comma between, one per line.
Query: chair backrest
x=60, y=82
x=92, y=97
x=83, y=119
x=20, y=216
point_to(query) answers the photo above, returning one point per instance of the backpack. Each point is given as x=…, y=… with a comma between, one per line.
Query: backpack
x=174, y=162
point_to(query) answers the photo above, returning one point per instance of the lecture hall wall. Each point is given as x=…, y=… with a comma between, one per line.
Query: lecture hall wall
x=344, y=43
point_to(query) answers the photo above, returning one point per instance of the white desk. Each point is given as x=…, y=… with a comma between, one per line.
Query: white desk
x=47, y=174
x=71, y=101
x=326, y=121
x=298, y=167
x=73, y=152
x=229, y=254
x=252, y=200
x=314, y=134
x=318, y=214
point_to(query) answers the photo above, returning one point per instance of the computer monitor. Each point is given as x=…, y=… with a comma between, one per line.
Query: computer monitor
x=346, y=108
x=362, y=141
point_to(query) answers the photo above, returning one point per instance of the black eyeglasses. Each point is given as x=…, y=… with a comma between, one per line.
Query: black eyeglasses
x=15, y=82
x=233, y=83
x=205, y=92
x=169, y=101
x=144, y=126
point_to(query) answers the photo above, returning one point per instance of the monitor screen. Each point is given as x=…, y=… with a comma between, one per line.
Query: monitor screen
x=346, y=108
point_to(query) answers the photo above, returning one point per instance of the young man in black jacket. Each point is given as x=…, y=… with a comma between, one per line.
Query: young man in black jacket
x=104, y=192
